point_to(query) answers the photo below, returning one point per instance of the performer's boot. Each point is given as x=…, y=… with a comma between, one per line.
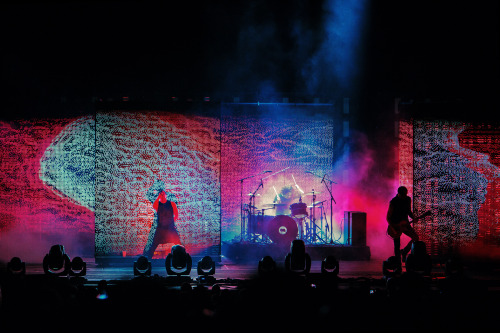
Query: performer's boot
x=405, y=251
x=403, y=255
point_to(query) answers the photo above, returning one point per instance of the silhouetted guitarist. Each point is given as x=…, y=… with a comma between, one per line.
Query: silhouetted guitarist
x=397, y=217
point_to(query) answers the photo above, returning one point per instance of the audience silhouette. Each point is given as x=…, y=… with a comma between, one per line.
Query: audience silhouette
x=283, y=295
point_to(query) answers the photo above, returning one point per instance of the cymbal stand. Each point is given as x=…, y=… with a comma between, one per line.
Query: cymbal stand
x=313, y=220
x=242, y=210
x=261, y=237
x=251, y=206
x=323, y=234
x=251, y=222
x=312, y=235
x=318, y=237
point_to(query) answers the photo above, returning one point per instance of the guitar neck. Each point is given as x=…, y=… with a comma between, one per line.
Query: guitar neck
x=421, y=216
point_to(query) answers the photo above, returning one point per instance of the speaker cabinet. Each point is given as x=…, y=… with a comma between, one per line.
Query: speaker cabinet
x=355, y=228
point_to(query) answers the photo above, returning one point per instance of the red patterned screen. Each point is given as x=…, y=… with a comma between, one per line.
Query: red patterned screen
x=135, y=149
x=47, y=187
x=455, y=170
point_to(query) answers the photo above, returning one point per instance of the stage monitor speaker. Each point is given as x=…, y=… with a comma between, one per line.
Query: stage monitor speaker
x=355, y=228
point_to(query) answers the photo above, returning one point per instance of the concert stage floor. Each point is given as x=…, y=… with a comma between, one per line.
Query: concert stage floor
x=225, y=269
x=240, y=261
x=228, y=269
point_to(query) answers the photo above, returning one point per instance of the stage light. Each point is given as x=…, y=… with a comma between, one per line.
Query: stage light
x=206, y=266
x=330, y=266
x=178, y=261
x=298, y=260
x=56, y=262
x=267, y=266
x=78, y=267
x=419, y=261
x=16, y=266
x=391, y=267
x=142, y=267
x=206, y=270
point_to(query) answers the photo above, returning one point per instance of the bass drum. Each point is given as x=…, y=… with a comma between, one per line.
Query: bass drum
x=282, y=230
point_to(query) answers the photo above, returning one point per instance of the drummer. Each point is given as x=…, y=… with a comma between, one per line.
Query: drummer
x=284, y=199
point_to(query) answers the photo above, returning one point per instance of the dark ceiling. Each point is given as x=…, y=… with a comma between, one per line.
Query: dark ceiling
x=61, y=56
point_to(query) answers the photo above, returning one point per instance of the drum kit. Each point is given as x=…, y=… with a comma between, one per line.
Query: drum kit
x=285, y=225
x=284, y=228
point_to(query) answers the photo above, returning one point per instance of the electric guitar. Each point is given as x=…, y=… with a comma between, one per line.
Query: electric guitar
x=397, y=230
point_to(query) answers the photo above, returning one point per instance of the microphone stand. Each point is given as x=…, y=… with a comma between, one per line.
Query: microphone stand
x=242, y=218
x=252, y=207
x=331, y=201
x=331, y=207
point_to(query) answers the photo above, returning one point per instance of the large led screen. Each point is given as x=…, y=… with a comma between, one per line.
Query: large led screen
x=453, y=170
x=90, y=184
x=276, y=151
x=140, y=154
x=96, y=184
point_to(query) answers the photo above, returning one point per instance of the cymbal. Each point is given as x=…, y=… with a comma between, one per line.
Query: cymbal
x=267, y=206
x=311, y=193
x=273, y=205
